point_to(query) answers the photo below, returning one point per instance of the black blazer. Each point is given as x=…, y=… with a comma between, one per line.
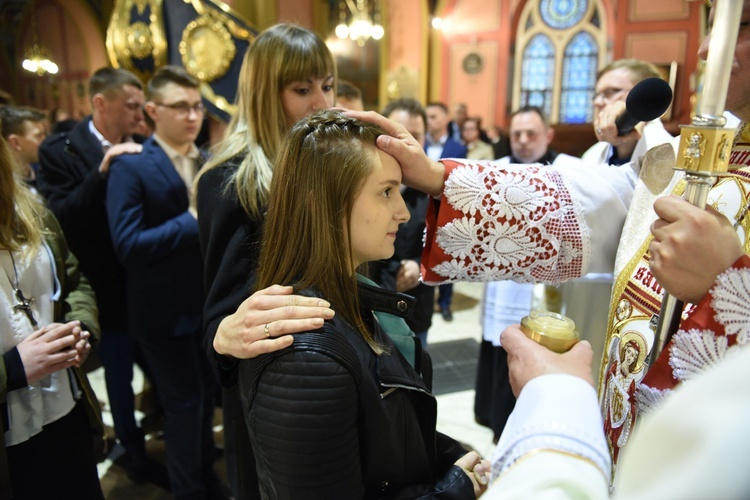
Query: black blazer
x=75, y=191
x=230, y=242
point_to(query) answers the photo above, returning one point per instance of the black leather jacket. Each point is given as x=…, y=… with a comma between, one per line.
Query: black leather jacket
x=329, y=419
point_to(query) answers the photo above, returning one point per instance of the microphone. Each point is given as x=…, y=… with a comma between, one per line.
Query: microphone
x=646, y=101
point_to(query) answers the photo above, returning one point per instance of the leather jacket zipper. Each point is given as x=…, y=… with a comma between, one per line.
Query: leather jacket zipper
x=394, y=387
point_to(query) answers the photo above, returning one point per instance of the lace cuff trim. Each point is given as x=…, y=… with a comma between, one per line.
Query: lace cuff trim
x=553, y=438
x=511, y=223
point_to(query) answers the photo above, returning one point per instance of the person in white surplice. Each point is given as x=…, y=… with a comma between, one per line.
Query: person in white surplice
x=554, y=445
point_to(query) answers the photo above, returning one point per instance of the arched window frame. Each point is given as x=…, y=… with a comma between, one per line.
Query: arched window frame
x=532, y=96
x=531, y=24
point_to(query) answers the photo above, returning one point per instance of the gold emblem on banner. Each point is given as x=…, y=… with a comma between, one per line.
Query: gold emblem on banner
x=130, y=43
x=140, y=5
x=207, y=48
x=140, y=43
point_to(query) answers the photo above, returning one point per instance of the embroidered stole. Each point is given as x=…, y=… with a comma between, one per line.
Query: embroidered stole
x=636, y=295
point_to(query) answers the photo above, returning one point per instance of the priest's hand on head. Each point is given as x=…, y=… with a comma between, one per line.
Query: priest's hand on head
x=418, y=171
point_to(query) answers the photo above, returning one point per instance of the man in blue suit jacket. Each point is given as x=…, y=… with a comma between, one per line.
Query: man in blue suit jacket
x=155, y=235
x=440, y=145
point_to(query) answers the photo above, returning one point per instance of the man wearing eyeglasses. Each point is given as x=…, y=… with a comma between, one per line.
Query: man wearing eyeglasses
x=155, y=236
x=72, y=176
x=613, y=85
x=586, y=299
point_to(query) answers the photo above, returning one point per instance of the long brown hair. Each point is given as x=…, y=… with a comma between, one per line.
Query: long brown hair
x=281, y=54
x=323, y=164
x=21, y=213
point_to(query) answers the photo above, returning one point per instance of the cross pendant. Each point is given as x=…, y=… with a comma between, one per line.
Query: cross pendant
x=24, y=305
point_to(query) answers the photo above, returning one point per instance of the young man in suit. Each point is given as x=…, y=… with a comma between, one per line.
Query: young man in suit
x=73, y=169
x=439, y=145
x=155, y=235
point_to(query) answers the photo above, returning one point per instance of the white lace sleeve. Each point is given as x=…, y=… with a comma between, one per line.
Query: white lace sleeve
x=528, y=223
x=554, y=413
x=731, y=297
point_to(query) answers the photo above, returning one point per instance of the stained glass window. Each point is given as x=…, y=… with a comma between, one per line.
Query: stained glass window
x=559, y=45
x=538, y=73
x=578, y=79
x=562, y=14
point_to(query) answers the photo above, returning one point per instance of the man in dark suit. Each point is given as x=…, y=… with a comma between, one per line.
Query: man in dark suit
x=155, y=236
x=73, y=169
x=440, y=145
x=401, y=272
x=460, y=114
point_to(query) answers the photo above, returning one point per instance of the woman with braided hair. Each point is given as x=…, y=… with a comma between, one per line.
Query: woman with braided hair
x=346, y=410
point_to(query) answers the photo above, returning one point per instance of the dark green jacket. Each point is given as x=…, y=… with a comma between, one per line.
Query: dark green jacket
x=77, y=301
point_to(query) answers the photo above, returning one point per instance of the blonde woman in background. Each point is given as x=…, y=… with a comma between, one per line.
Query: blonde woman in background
x=287, y=73
x=49, y=413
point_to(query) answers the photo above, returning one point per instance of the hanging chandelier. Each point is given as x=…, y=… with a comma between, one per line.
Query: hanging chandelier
x=37, y=58
x=360, y=21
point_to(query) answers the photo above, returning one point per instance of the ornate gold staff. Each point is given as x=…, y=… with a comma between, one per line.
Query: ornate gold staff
x=705, y=145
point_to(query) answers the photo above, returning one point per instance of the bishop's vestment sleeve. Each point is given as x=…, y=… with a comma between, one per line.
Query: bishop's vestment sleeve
x=695, y=434
x=527, y=223
x=553, y=445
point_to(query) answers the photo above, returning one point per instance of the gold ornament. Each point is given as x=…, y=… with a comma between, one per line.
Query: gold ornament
x=207, y=48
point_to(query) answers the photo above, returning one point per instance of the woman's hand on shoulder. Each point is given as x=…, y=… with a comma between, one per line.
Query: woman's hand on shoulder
x=53, y=348
x=477, y=469
x=264, y=321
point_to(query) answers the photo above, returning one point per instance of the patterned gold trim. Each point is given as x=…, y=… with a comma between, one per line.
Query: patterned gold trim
x=207, y=48
x=618, y=288
x=542, y=451
x=140, y=43
x=140, y=5
x=208, y=93
x=126, y=41
x=224, y=13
